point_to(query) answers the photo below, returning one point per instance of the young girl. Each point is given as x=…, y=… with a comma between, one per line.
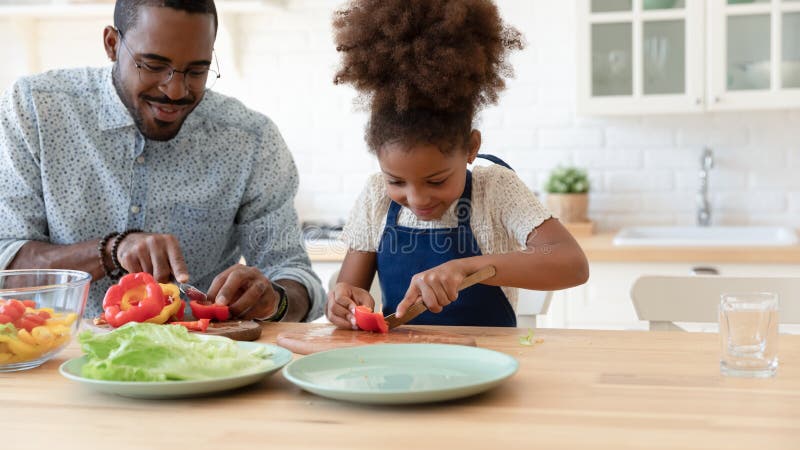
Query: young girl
x=425, y=68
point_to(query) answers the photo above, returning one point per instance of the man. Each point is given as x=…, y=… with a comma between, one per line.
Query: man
x=139, y=167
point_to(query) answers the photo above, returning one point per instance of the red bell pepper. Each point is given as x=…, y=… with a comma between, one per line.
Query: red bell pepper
x=370, y=321
x=209, y=311
x=197, y=325
x=172, y=304
x=136, y=298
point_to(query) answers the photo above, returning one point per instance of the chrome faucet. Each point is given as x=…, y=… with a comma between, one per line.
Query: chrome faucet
x=703, y=205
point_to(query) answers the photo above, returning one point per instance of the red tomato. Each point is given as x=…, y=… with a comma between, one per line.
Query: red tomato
x=29, y=303
x=29, y=321
x=13, y=309
x=370, y=321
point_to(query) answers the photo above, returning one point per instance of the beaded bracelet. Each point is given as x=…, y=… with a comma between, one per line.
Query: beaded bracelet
x=101, y=250
x=115, y=246
x=283, y=305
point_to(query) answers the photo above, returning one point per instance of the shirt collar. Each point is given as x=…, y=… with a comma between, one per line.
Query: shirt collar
x=112, y=113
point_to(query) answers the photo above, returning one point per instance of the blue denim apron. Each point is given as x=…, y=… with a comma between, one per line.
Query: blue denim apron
x=404, y=252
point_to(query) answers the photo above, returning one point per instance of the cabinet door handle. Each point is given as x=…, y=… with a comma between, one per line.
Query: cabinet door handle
x=704, y=270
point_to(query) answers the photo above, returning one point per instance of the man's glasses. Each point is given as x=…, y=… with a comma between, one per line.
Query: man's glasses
x=195, y=78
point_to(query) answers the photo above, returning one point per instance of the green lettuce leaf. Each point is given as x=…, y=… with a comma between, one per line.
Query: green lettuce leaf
x=150, y=352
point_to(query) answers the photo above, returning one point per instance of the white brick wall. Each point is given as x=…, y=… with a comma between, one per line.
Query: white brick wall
x=643, y=169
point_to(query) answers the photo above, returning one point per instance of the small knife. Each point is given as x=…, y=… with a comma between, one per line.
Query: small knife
x=192, y=292
x=419, y=307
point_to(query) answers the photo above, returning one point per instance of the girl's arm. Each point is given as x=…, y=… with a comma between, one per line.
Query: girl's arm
x=352, y=288
x=552, y=260
x=358, y=269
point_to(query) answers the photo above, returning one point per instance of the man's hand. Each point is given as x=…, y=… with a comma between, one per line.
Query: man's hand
x=158, y=254
x=246, y=291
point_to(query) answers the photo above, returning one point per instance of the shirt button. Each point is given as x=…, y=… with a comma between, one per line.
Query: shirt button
x=135, y=209
x=140, y=159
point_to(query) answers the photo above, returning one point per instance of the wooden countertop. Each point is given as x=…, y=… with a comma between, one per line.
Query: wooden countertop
x=574, y=390
x=599, y=248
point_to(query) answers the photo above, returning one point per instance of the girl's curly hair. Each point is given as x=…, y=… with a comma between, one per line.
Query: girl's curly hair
x=424, y=67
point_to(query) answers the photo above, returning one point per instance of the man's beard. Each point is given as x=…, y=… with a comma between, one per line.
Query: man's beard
x=163, y=133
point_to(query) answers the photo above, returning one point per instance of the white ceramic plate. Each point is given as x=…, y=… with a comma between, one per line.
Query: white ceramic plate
x=173, y=389
x=401, y=373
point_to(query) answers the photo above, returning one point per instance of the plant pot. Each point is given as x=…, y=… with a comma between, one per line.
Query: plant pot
x=569, y=207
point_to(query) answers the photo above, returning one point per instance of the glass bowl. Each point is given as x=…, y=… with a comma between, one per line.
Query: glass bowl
x=40, y=311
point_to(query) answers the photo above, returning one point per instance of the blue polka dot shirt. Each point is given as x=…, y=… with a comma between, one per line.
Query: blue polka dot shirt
x=74, y=167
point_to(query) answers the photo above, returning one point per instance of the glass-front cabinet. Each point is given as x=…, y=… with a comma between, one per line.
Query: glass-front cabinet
x=651, y=56
x=754, y=54
x=639, y=56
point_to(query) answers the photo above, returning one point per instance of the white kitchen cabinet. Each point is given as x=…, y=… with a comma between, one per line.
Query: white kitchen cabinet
x=640, y=56
x=604, y=301
x=754, y=54
x=682, y=56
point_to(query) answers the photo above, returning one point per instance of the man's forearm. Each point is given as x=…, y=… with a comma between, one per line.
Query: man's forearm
x=299, y=301
x=42, y=255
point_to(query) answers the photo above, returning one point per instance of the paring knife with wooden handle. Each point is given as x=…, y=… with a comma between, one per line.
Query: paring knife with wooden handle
x=419, y=307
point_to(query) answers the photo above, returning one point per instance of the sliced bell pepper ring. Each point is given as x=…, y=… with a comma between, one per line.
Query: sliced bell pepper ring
x=370, y=321
x=197, y=325
x=178, y=316
x=209, y=311
x=172, y=303
x=136, y=298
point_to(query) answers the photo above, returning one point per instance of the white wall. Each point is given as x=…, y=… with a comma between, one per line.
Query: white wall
x=644, y=169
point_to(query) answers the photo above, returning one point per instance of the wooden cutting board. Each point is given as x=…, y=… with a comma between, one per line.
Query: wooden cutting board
x=238, y=330
x=330, y=337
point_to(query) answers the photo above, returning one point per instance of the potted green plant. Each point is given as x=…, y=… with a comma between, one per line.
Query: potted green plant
x=568, y=194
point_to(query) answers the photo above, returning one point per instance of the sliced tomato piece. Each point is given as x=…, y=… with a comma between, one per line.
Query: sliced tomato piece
x=29, y=303
x=29, y=321
x=13, y=308
x=370, y=321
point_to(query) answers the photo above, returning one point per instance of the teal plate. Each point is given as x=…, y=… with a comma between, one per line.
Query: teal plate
x=401, y=373
x=174, y=389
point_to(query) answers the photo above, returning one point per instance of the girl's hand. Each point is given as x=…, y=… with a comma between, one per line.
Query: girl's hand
x=342, y=302
x=436, y=287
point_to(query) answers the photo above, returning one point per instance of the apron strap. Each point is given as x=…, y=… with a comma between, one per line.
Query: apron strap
x=464, y=206
x=494, y=159
x=394, y=210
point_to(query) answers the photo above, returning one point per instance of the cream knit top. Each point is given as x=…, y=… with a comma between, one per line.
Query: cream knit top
x=504, y=212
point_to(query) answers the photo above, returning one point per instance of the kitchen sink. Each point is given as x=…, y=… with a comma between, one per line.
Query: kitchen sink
x=715, y=236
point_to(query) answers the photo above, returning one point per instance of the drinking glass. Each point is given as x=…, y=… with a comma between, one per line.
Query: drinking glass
x=748, y=329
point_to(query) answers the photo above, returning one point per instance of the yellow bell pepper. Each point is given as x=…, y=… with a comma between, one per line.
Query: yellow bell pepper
x=170, y=310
